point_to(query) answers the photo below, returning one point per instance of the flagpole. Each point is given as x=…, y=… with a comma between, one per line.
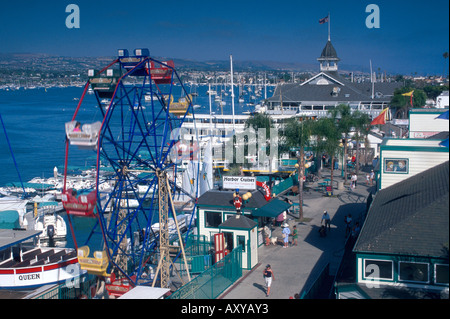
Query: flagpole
x=329, y=27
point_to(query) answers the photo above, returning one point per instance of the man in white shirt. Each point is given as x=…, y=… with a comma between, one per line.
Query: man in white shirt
x=326, y=220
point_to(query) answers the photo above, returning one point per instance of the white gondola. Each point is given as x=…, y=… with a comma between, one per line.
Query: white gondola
x=86, y=137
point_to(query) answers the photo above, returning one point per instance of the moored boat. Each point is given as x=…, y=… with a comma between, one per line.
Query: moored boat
x=23, y=264
x=51, y=224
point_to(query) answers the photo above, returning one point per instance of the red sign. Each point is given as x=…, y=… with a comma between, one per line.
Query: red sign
x=266, y=190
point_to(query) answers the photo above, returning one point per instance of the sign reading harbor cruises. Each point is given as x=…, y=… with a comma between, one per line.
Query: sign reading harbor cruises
x=240, y=182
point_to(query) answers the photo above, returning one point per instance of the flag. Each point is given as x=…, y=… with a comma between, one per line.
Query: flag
x=443, y=116
x=324, y=20
x=410, y=94
x=444, y=143
x=380, y=119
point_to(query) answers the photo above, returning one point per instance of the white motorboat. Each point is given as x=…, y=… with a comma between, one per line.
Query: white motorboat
x=51, y=224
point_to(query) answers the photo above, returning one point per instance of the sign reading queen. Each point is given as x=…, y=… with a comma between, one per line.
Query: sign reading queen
x=239, y=182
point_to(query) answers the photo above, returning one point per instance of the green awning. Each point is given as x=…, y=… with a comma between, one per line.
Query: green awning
x=9, y=219
x=272, y=209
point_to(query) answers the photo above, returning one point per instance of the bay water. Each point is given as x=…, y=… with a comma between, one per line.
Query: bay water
x=35, y=119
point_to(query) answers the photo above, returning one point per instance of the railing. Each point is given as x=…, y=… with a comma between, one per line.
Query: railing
x=214, y=280
x=317, y=289
x=76, y=290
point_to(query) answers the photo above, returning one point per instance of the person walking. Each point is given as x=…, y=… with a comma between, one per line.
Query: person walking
x=286, y=231
x=372, y=177
x=268, y=277
x=348, y=224
x=353, y=181
x=326, y=220
x=355, y=231
x=295, y=236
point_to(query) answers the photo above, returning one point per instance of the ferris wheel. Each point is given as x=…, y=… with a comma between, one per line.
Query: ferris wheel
x=135, y=135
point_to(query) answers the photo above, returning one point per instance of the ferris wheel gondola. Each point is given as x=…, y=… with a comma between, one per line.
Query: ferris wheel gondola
x=133, y=139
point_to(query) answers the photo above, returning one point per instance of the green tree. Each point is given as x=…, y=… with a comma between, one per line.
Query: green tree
x=343, y=119
x=327, y=139
x=361, y=122
x=402, y=104
x=260, y=120
x=433, y=91
x=297, y=135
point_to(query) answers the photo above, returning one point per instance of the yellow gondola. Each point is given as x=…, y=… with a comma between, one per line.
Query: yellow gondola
x=180, y=108
x=96, y=265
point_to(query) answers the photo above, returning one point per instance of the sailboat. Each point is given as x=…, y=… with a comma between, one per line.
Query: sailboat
x=13, y=203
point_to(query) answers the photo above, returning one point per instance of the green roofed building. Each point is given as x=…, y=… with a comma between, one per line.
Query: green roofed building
x=402, y=249
x=216, y=213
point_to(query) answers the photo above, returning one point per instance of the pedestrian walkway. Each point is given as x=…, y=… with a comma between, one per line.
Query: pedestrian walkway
x=296, y=268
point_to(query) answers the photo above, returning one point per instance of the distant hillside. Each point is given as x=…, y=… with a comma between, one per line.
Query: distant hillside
x=238, y=65
x=46, y=61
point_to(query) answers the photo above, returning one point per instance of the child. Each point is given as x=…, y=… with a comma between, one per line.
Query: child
x=295, y=236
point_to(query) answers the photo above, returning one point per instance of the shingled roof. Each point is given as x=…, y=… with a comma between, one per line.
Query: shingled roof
x=349, y=91
x=410, y=217
x=328, y=53
x=240, y=222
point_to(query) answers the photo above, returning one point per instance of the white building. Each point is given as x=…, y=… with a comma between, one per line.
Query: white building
x=403, y=158
x=424, y=123
x=442, y=101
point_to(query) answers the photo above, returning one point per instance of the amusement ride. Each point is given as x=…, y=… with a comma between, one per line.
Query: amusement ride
x=137, y=143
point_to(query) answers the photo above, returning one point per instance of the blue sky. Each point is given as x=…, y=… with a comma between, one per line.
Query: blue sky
x=412, y=36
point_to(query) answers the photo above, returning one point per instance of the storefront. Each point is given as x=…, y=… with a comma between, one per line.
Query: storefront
x=216, y=213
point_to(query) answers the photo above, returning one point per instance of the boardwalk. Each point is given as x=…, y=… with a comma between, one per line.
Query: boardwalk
x=296, y=268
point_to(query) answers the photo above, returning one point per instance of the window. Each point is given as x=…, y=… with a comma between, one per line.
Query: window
x=410, y=271
x=396, y=165
x=441, y=274
x=241, y=242
x=378, y=269
x=213, y=219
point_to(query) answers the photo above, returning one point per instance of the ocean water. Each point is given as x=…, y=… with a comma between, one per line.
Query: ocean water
x=35, y=125
x=34, y=121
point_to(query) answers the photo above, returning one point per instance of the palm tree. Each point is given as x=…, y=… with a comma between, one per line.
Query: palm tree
x=362, y=125
x=260, y=120
x=297, y=135
x=327, y=140
x=343, y=119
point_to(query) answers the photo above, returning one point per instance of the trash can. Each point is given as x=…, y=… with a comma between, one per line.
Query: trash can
x=340, y=185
